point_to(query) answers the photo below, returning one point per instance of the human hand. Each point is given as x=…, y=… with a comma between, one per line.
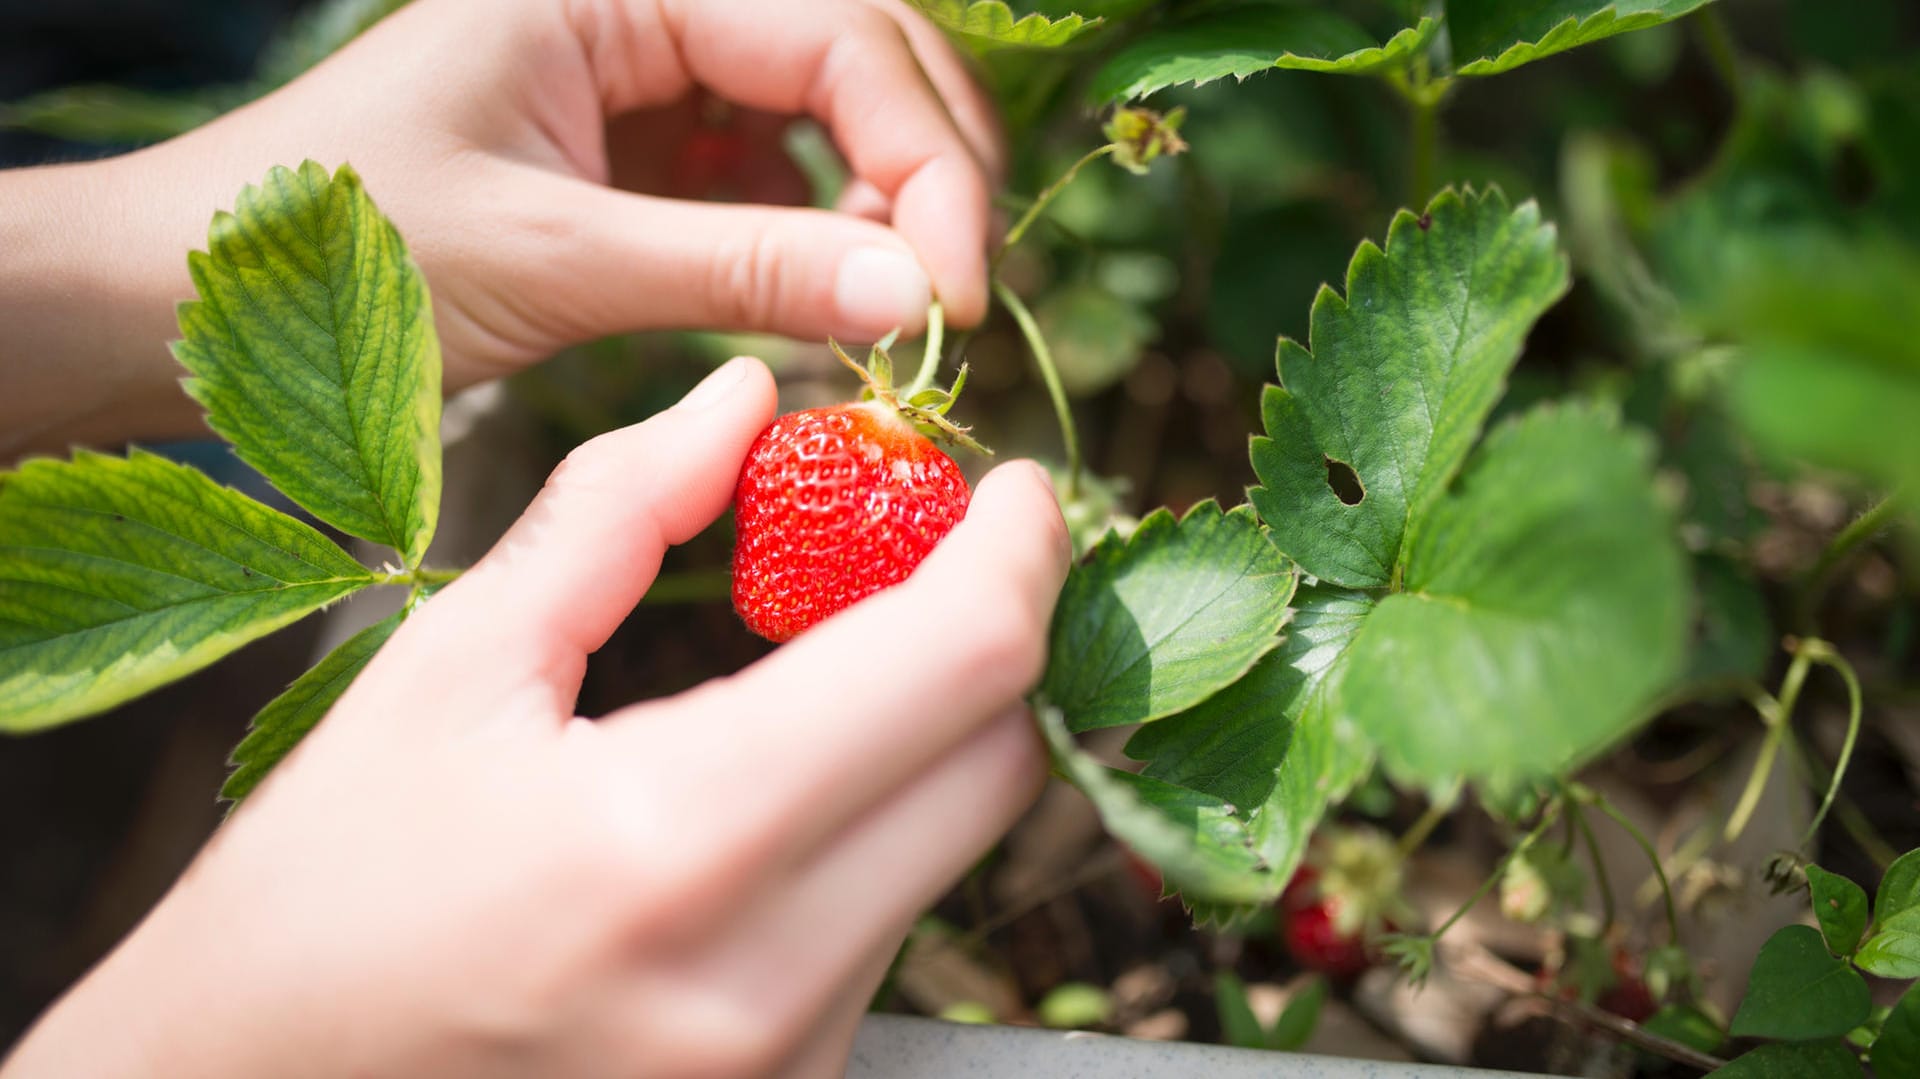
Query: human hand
x=455, y=875
x=481, y=127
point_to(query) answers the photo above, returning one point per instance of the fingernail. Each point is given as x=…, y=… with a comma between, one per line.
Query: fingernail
x=879, y=288
x=717, y=385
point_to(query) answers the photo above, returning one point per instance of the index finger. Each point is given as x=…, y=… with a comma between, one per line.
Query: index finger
x=851, y=66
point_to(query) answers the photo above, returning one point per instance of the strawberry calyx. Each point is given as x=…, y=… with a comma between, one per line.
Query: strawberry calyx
x=925, y=409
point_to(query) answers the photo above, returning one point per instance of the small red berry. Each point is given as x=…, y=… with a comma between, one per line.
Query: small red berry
x=833, y=505
x=1629, y=998
x=1316, y=940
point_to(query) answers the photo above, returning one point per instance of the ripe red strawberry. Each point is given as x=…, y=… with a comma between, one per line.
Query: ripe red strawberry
x=1341, y=900
x=1316, y=940
x=837, y=503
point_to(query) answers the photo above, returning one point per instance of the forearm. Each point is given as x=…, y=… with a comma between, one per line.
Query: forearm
x=88, y=286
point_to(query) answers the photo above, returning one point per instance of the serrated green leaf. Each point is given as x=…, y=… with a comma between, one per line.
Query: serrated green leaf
x=1802, y=1060
x=1799, y=992
x=1200, y=847
x=1897, y=1050
x=1160, y=621
x=1246, y=40
x=1893, y=951
x=1403, y=372
x=1491, y=36
x=990, y=24
x=118, y=575
x=1840, y=906
x=287, y=718
x=313, y=351
x=1545, y=606
x=1267, y=746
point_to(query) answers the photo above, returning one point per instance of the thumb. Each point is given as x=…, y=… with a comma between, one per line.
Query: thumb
x=571, y=569
x=636, y=262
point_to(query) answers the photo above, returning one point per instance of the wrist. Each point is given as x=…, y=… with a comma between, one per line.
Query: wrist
x=86, y=309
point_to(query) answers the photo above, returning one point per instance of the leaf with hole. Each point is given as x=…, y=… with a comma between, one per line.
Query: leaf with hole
x=1543, y=609
x=1366, y=430
x=1799, y=992
x=1492, y=36
x=985, y=25
x=1244, y=40
x=312, y=348
x=1840, y=906
x=1160, y=621
x=286, y=719
x=119, y=575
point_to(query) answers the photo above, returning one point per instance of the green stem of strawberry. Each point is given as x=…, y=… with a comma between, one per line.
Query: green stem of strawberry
x=1046, y=197
x=1823, y=653
x=1878, y=518
x=1600, y=882
x=1599, y=801
x=1547, y=817
x=1411, y=839
x=1777, y=714
x=930, y=350
x=1050, y=374
x=421, y=578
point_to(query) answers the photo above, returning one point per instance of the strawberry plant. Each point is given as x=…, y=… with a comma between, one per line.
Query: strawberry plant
x=1518, y=444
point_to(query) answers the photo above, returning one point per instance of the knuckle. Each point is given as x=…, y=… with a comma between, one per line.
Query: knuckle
x=744, y=286
x=876, y=29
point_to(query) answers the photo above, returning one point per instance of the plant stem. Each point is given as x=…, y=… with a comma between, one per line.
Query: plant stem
x=1425, y=147
x=1717, y=41
x=419, y=578
x=1424, y=96
x=1527, y=841
x=930, y=350
x=1043, y=357
x=1823, y=653
x=1777, y=713
x=1411, y=839
x=1869, y=524
x=1599, y=801
x=1575, y=814
x=1041, y=202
